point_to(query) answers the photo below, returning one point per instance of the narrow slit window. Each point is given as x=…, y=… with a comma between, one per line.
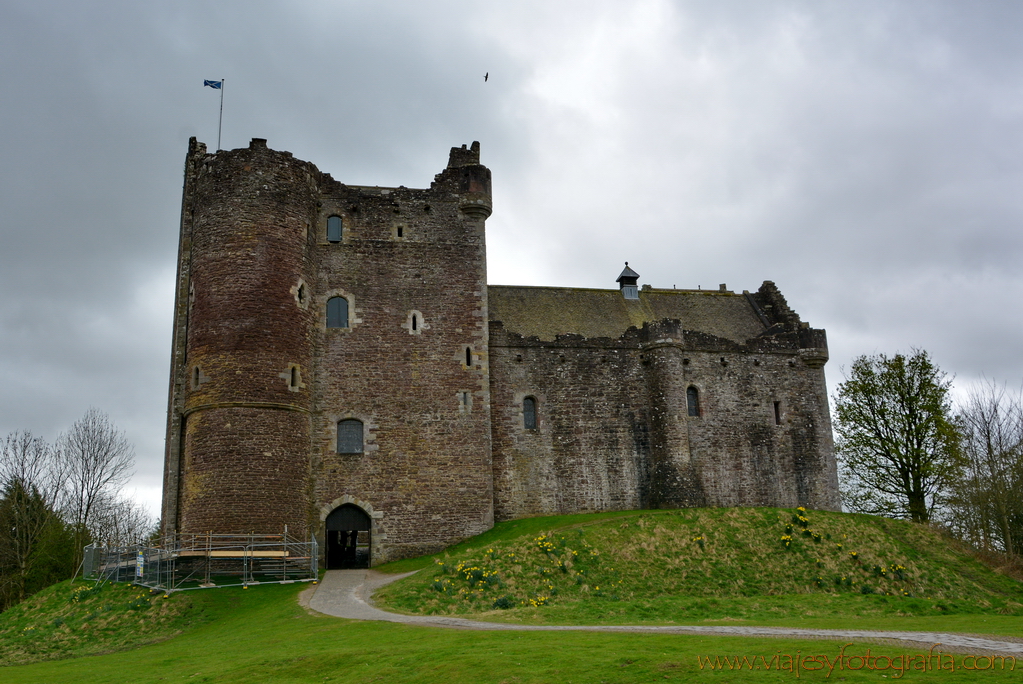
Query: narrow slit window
x=415, y=322
x=529, y=413
x=334, y=229
x=294, y=376
x=468, y=357
x=349, y=437
x=400, y=231
x=337, y=312
x=777, y=413
x=195, y=377
x=693, y=402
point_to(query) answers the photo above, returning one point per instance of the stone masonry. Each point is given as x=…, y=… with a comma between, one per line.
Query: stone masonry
x=672, y=398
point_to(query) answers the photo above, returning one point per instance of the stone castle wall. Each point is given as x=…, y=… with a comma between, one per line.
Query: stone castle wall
x=614, y=433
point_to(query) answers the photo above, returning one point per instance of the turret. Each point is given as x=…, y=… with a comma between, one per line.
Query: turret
x=470, y=179
x=628, y=282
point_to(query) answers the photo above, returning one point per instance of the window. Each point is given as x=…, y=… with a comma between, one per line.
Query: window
x=334, y=229
x=777, y=413
x=294, y=376
x=415, y=322
x=529, y=413
x=349, y=436
x=337, y=312
x=198, y=378
x=468, y=357
x=693, y=401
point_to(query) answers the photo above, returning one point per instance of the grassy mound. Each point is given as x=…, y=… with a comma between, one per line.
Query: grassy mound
x=696, y=564
x=262, y=635
x=72, y=619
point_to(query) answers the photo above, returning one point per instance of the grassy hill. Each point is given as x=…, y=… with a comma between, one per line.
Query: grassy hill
x=84, y=618
x=760, y=564
x=262, y=635
x=627, y=567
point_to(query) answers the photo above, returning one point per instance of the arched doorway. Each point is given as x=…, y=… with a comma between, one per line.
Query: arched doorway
x=348, y=538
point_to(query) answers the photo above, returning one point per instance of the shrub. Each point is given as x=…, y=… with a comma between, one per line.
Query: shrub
x=504, y=603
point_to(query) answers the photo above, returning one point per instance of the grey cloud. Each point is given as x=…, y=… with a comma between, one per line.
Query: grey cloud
x=864, y=155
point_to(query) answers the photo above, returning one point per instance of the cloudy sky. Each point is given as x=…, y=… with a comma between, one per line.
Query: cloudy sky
x=865, y=156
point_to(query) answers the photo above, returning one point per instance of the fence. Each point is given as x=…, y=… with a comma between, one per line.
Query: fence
x=200, y=561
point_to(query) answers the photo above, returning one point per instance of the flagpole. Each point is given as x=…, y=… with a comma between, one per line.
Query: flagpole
x=220, y=126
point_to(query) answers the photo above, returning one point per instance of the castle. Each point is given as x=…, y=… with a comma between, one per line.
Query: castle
x=340, y=366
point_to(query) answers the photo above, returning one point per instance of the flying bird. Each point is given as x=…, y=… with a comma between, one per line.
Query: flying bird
x=486, y=76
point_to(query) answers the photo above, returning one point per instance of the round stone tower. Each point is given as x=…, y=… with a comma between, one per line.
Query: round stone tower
x=239, y=427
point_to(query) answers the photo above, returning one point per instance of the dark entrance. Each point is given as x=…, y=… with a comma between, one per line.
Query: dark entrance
x=348, y=538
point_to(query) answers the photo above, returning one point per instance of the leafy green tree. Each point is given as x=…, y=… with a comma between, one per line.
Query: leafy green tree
x=36, y=546
x=31, y=480
x=898, y=445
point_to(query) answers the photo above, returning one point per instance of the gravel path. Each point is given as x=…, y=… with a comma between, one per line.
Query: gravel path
x=346, y=594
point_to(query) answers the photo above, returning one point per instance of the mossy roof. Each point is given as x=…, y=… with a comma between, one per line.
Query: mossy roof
x=546, y=312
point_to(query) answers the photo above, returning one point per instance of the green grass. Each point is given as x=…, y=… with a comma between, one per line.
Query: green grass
x=262, y=635
x=649, y=567
x=84, y=618
x=758, y=566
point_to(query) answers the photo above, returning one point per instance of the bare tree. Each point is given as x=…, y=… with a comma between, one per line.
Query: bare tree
x=121, y=522
x=986, y=504
x=99, y=461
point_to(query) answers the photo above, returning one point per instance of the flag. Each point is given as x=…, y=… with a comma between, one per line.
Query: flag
x=216, y=85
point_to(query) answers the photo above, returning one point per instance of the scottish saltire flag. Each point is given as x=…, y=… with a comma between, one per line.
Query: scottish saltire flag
x=216, y=85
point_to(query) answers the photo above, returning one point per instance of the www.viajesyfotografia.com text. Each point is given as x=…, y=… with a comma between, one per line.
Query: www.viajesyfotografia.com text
x=895, y=666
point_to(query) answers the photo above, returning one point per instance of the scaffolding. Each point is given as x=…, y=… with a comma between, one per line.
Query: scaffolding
x=201, y=561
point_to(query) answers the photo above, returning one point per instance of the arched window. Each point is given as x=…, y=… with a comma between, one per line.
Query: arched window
x=529, y=413
x=349, y=436
x=337, y=312
x=334, y=229
x=693, y=401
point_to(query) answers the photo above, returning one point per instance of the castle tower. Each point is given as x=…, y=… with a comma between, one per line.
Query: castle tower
x=401, y=424
x=673, y=481
x=330, y=366
x=239, y=418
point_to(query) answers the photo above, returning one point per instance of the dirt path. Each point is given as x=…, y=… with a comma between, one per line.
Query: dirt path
x=346, y=594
